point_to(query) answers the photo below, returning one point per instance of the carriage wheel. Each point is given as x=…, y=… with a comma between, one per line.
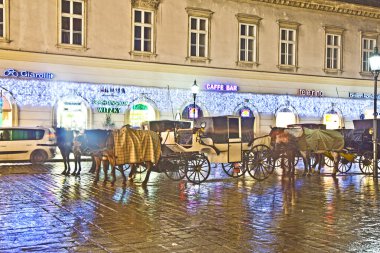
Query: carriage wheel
x=177, y=171
x=259, y=163
x=296, y=160
x=365, y=163
x=329, y=162
x=233, y=169
x=281, y=162
x=344, y=165
x=198, y=169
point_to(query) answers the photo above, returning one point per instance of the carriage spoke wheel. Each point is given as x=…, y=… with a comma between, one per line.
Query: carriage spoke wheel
x=198, y=169
x=366, y=163
x=344, y=165
x=233, y=169
x=177, y=170
x=258, y=162
x=141, y=169
x=329, y=161
x=281, y=162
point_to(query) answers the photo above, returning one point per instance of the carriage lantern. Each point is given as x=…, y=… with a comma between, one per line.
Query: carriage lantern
x=194, y=90
x=374, y=62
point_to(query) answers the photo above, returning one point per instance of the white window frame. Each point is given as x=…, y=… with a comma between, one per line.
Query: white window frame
x=248, y=38
x=5, y=22
x=71, y=16
x=288, y=44
x=143, y=26
x=329, y=60
x=366, y=52
x=198, y=32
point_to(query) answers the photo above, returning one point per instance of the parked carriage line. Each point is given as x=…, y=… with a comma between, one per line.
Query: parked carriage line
x=185, y=149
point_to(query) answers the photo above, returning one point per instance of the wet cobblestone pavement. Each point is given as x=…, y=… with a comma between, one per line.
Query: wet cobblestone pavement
x=44, y=211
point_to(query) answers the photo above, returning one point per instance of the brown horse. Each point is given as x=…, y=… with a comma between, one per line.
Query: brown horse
x=290, y=143
x=133, y=147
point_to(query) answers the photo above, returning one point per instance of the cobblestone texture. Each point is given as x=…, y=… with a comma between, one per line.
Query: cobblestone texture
x=44, y=211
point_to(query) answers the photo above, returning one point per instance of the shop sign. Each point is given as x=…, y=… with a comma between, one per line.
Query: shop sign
x=27, y=74
x=310, y=93
x=222, y=87
x=112, y=90
x=140, y=107
x=108, y=109
x=109, y=103
x=361, y=95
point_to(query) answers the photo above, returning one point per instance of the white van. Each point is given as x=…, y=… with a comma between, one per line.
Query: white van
x=34, y=144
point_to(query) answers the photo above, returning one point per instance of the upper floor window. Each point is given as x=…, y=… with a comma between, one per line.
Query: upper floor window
x=369, y=40
x=4, y=20
x=247, y=42
x=143, y=31
x=198, y=30
x=333, y=53
x=72, y=22
x=288, y=45
x=199, y=22
x=248, y=39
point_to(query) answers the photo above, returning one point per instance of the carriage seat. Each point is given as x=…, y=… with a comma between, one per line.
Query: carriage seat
x=185, y=137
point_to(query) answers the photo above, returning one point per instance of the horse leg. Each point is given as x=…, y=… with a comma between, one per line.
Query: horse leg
x=336, y=162
x=75, y=165
x=93, y=165
x=97, y=168
x=149, y=166
x=306, y=161
x=79, y=164
x=106, y=165
x=132, y=173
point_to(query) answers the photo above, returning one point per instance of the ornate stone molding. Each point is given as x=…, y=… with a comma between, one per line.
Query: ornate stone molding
x=146, y=4
x=328, y=6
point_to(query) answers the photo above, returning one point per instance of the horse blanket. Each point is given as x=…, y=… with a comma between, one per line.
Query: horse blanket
x=136, y=146
x=318, y=140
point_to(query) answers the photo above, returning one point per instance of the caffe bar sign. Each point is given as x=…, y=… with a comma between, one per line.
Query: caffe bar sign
x=222, y=87
x=27, y=74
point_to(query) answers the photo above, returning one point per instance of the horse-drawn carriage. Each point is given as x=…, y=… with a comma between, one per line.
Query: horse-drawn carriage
x=188, y=151
x=358, y=147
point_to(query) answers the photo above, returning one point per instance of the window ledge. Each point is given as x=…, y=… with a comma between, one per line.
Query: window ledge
x=5, y=40
x=194, y=59
x=143, y=55
x=290, y=68
x=333, y=71
x=72, y=47
x=247, y=64
x=366, y=73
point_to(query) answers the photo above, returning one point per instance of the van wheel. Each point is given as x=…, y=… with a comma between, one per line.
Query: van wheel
x=38, y=157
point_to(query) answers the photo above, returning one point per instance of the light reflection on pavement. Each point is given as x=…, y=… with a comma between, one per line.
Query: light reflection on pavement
x=44, y=211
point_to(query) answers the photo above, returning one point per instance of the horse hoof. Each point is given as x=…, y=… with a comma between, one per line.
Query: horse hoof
x=73, y=174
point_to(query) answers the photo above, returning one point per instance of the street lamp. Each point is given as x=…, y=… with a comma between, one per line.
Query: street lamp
x=194, y=90
x=374, y=62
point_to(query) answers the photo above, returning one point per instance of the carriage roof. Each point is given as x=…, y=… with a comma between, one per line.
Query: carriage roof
x=165, y=125
x=366, y=124
x=222, y=128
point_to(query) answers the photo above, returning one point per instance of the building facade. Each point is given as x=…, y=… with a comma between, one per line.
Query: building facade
x=102, y=64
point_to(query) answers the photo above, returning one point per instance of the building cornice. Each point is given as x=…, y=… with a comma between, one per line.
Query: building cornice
x=328, y=6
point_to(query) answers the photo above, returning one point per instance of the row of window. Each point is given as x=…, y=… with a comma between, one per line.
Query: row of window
x=72, y=33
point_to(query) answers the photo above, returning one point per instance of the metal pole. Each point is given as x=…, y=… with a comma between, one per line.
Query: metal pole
x=375, y=172
x=194, y=96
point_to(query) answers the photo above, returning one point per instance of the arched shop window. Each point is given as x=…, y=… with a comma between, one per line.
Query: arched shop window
x=190, y=113
x=72, y=113
x=140, y=112
x=285, y=116
x=5, y=112
x=332, y=119
x=368, y=113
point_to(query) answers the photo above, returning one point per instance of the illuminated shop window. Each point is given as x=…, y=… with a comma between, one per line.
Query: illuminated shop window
x=72, y=114
x=192, y=113
x=285, y=117
x=368, y=113
x=5, y=112
x=140, y=112
x=245, y=112
x=332, y=120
